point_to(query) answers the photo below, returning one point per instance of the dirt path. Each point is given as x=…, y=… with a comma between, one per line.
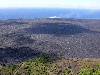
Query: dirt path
x=18, y=68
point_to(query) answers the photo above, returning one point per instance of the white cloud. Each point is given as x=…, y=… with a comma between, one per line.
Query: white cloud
x=51, y=3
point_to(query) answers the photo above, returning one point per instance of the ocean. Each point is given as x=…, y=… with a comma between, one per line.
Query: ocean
x=31, y=13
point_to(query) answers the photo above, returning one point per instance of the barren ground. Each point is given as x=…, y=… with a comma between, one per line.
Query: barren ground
x=23, y=39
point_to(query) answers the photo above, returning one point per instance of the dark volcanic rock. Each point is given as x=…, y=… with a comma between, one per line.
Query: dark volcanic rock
x=22, y=39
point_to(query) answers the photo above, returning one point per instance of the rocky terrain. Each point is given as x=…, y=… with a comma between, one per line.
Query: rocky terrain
x=23, y=39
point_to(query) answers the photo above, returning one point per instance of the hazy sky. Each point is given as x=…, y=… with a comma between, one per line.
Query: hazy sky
x=94, y=4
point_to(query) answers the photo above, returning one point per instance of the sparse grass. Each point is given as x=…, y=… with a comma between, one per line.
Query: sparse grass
x=47, y=65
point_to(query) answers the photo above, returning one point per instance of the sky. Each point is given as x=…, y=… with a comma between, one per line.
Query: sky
x=87, y=4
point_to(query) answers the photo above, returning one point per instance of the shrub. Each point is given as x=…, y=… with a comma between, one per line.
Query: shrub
x=89, y=71
x=42, y=58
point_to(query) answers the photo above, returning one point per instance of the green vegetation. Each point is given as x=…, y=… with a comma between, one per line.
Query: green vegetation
x=8, y=70
x=89, y=71
x=42, y=58
x=47, y=65
x=97, y=65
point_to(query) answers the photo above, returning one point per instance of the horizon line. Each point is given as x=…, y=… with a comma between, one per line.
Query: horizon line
x=51, y=7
